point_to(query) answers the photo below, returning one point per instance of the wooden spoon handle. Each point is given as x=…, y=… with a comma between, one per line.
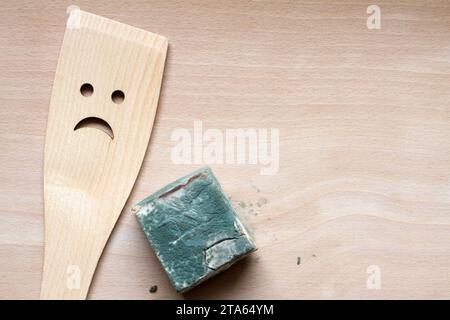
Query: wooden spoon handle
x=101, y=115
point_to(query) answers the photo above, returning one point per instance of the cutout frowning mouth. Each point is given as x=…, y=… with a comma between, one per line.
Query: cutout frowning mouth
x=97, y=123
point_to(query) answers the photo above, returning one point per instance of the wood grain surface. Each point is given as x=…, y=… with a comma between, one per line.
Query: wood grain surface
x=364, y=123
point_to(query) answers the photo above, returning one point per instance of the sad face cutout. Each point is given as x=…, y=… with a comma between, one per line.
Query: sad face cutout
x=87, y=90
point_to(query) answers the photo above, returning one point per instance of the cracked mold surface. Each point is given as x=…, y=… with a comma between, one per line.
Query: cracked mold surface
x=193, y=229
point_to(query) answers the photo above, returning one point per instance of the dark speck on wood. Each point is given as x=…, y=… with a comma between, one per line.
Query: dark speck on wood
x=153, y=289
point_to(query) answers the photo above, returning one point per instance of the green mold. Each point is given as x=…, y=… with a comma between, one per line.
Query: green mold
x=193, y=229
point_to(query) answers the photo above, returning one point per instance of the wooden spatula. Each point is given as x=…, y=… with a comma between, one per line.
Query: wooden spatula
x=101, y=116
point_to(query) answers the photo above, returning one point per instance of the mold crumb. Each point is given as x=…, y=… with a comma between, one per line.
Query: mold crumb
x=256, y=188
x=299, y=260
x=153, y=289
x=314, y=255
x=241, y=204
x=261, y=202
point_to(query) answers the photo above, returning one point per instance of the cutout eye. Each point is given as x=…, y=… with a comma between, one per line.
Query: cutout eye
x=118, y=96
x=87, y=89
x=96, y=123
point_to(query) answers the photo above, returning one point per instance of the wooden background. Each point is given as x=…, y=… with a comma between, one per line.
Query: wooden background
x=364, y=120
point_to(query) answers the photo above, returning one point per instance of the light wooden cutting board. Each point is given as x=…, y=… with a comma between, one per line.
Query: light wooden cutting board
x=364, y=123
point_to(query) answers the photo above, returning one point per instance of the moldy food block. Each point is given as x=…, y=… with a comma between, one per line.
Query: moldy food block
x=193, y=229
